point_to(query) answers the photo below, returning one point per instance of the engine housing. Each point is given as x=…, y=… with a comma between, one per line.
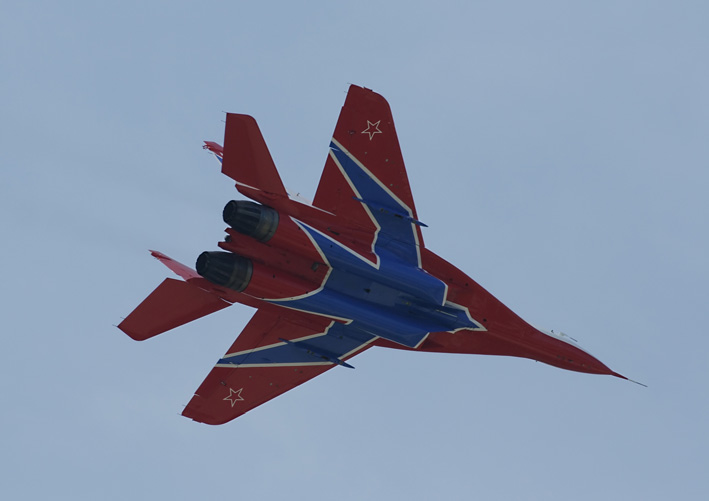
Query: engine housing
x=251, y=219
x=225, y=269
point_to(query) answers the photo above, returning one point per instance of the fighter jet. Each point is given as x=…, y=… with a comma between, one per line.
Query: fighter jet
x=332, y=278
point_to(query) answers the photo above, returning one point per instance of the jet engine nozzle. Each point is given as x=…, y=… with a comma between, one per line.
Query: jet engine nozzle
x=225, y=269
x=251, y=219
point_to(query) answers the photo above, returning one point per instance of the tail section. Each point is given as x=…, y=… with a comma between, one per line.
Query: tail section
x=172, y=304
x=247, y=160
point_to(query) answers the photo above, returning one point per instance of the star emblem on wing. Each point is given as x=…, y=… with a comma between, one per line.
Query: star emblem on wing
x=234, y=396
x=372, y=128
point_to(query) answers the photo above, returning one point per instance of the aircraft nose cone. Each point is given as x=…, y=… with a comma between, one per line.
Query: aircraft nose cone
x=569, y=355
x=589, y=363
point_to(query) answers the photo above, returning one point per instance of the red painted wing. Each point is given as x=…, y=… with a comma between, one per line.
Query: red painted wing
x=365, y=128
x=230, y=391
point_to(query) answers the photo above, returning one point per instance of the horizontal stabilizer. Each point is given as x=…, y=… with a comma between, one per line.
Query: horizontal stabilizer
x=246, y=157
x=172, y=304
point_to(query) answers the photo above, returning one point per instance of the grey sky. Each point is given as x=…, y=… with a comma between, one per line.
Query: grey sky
x=558, y=153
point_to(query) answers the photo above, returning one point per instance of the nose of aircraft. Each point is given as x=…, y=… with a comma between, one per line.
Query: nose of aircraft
x=567, y=354
x=585, y=362
x=588, y=361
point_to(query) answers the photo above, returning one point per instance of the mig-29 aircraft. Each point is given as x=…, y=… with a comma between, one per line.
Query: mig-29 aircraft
x=331, y=279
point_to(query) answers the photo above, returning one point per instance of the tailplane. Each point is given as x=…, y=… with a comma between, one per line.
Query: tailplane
x=173, y=302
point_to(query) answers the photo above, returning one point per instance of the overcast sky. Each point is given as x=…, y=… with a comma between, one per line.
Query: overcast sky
x=559, y=154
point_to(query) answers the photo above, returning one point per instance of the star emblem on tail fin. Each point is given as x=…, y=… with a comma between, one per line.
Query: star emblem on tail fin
x=372, y=128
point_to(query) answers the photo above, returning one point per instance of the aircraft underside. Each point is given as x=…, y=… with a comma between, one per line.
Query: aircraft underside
x=332, y=278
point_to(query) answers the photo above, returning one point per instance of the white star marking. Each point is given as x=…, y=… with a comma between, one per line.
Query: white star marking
x=234, y=396
x=372, y=128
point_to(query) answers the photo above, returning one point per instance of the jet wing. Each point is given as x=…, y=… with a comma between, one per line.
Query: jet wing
x=364, y=181
x=272, y=355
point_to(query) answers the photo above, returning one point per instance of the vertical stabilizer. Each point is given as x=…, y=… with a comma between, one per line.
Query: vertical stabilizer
x=246, y=157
